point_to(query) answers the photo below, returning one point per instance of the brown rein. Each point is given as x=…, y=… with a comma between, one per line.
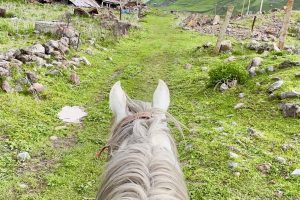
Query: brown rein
x=124, y=122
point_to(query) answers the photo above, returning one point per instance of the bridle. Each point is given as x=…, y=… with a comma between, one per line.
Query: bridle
x=127, y=120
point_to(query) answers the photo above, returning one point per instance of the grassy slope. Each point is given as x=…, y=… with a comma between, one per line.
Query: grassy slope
x=159, y=50
x=209, y=5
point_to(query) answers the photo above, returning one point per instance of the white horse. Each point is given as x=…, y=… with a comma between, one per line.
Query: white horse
x=143, y=162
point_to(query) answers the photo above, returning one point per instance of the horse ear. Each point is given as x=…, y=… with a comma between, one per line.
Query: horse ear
x=161, y=96
x=117, y=101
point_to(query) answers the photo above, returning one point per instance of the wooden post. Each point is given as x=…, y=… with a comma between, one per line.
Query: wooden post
x=253, y=24
x=242, y=13
x=248, y=7
x=261, y=5
x=286, y=22
x=224, y=28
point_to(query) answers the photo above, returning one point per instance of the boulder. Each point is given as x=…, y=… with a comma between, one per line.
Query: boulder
x=254, y=45
x=36, y=87
x=32, y=76
x=6, y=87
x=216, y=20
x=49, y=26
x=290, y=109
x=275, y=86
x=74, y=78
x=290, y=94
x=288, y=63
x=4, y=72
x=34, y=49
x=4, y=64
x=225, y=46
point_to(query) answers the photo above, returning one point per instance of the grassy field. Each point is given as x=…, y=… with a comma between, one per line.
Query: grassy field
x=218, y=6
x=68, y=169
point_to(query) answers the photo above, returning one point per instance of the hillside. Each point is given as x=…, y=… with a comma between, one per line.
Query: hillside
x=219, y=6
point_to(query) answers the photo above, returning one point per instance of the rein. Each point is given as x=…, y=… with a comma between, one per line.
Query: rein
x=124, y=122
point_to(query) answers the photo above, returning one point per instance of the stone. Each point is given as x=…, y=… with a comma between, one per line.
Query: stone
x=288, y=63
x=74, y=41
x=89, y=51
x=275, y=86
x=23, y=185
x=23, y=156
x=64, y=41
x=232, y=83
x=231, y=59
x=296, y=172
x=204, y=69
x=72, y=114
x=233, y=165
x=53, y=138
x=264, y=167
x=239, y=106
x=32, y=76
x=207, y=45
x=220, y=129
x=4, y=72
x=85, y=61
x=15, y=63
x=286, y=147
x=233, y=124
x=290, y=94
x=270, y=69
x=12, y=53
x=39, y=61
x=237, y=174
x=4, y=64
x=225, y=46
x=52, y=72
x=74, y=78
x=290, y=109
x=6, y=87
x=49, y=26
x=224, y=87
x=67, y=31
x=280, y=160
x=273, y=96
x=252, y=71
x=256, y=62
x=241, y=95
x=279, y=193
x=110, y=58
x=233, y=155
x=254, y=45
x=216, y=20
x=37, y=87
x=37, y=48
x=188, y=66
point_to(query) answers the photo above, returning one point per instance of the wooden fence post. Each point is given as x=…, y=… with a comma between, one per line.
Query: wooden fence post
x=286, y=22
x=261, y=6
x=248, y=7
x=224, y=28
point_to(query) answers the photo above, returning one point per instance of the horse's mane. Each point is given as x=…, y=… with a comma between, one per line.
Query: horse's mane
x=137, y=169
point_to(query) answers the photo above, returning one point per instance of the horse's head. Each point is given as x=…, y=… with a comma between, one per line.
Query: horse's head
x=119, y=104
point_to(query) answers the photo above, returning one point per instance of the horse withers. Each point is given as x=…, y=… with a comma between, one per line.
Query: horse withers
x=143, y=162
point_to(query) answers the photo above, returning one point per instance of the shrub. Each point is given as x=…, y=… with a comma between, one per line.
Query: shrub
x=228, y=71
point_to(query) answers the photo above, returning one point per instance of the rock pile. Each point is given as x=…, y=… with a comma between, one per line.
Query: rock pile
x=49, y=55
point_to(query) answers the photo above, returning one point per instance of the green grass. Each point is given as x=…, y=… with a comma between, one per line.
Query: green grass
x=158, y=51
x=218, y=6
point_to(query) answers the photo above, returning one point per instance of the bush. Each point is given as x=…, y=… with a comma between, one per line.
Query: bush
x=226, y=72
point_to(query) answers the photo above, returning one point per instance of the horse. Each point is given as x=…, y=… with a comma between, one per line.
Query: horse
x=142, y=162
